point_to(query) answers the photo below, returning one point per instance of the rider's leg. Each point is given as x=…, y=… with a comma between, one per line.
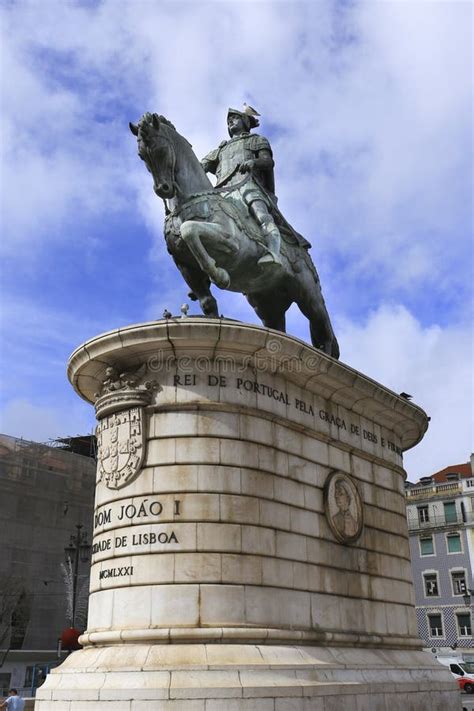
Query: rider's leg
x=260, y=212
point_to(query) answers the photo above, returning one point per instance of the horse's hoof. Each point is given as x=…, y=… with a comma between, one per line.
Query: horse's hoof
x=221, y=278
x=331, y=348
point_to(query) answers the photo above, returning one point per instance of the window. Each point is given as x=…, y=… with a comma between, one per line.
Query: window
x=431, y=584
x=29, y=676
x=450, y=512
x=4, y=683
x=453, y=542
x=435, y=625
x=37, y=674
x=464, y=624
x=423, y=514
x=427, y=546
x=459, y=582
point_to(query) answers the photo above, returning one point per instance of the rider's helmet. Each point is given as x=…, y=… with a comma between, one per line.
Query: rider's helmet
x=249, y=118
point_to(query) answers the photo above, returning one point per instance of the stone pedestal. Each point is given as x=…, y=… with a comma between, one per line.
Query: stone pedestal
x=250, y=544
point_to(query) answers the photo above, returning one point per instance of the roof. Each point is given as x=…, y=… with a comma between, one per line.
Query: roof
x=463, y=470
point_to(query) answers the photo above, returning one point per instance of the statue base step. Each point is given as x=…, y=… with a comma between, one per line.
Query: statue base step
x=213, y=677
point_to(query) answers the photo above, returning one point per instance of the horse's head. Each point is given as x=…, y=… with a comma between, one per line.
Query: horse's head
x=156, y=149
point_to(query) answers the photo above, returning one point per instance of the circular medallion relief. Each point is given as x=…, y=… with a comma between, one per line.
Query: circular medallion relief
x=343, y=507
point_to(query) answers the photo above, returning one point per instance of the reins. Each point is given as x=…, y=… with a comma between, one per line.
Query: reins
x=194, y=196
x=211, y=192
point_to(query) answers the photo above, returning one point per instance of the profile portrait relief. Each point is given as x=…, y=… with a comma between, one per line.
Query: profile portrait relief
x=343, y=507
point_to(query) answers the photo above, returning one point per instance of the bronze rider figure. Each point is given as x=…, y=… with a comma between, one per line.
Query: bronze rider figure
x=248, y=153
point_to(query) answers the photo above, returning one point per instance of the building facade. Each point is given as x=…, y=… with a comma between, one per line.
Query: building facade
x=45, y=494
x=440, y=515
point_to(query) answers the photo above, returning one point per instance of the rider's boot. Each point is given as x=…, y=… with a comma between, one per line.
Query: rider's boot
x=273, y=240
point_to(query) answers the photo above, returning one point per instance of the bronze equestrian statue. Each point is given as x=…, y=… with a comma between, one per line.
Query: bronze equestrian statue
x=233, y=234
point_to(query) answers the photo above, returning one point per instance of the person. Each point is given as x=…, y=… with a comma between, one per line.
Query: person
x=13, y=702
x=251, y=154
x=343, y=520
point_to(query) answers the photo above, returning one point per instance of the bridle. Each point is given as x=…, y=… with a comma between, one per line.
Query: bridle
x=173, y=159
x=145, y=134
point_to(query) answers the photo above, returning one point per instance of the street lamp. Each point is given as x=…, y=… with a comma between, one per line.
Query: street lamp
x=467, y=596
x=77, y=550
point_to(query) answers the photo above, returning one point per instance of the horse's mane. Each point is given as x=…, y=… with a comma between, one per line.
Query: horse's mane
x=166, y=121
x=148, y=118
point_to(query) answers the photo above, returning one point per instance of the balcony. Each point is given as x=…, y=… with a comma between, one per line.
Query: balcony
x=440, y=521
x=426, y=492
x=449, y=488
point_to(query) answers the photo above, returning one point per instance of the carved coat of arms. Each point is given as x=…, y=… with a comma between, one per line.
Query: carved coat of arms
x=120, y=447
x=121, y=432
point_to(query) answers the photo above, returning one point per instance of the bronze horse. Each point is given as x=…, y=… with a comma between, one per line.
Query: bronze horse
x=212, y=238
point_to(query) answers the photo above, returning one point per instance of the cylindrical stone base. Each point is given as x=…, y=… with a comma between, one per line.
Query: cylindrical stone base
x=250, y=544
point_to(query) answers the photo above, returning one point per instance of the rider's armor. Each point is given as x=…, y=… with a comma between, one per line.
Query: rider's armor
x=226, y=160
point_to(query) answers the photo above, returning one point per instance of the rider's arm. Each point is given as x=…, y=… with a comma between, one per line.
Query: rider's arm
x=263, y=161
x=209, y=166
x=210, y=162
x=260, y=148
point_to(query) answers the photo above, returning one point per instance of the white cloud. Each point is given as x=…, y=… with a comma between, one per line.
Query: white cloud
x=388, y=110
x=369, y=108
x=380, y=90
x=58, y=162
x=434, y=365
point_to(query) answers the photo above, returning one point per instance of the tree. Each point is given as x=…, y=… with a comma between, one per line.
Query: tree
x=15, y=607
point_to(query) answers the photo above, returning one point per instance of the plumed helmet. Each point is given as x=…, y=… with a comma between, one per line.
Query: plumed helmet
x=248, y=116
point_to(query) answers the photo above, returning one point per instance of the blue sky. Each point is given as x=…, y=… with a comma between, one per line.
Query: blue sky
x=368, y=109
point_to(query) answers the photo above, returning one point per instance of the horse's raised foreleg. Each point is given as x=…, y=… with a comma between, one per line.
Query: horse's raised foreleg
x=192, y=233
x=311, y=303
x=199, y=284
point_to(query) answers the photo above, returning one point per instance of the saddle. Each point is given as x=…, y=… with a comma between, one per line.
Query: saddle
x=203, y=205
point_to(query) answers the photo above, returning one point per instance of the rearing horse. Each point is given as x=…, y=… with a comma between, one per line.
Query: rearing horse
x=212, y=238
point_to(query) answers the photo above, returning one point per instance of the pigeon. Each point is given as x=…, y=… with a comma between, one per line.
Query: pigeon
x=184, y=310
x=406, y=396
x=167, y=314
x=250, y=110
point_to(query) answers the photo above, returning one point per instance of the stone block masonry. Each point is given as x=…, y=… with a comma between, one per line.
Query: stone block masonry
x=250, y=545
